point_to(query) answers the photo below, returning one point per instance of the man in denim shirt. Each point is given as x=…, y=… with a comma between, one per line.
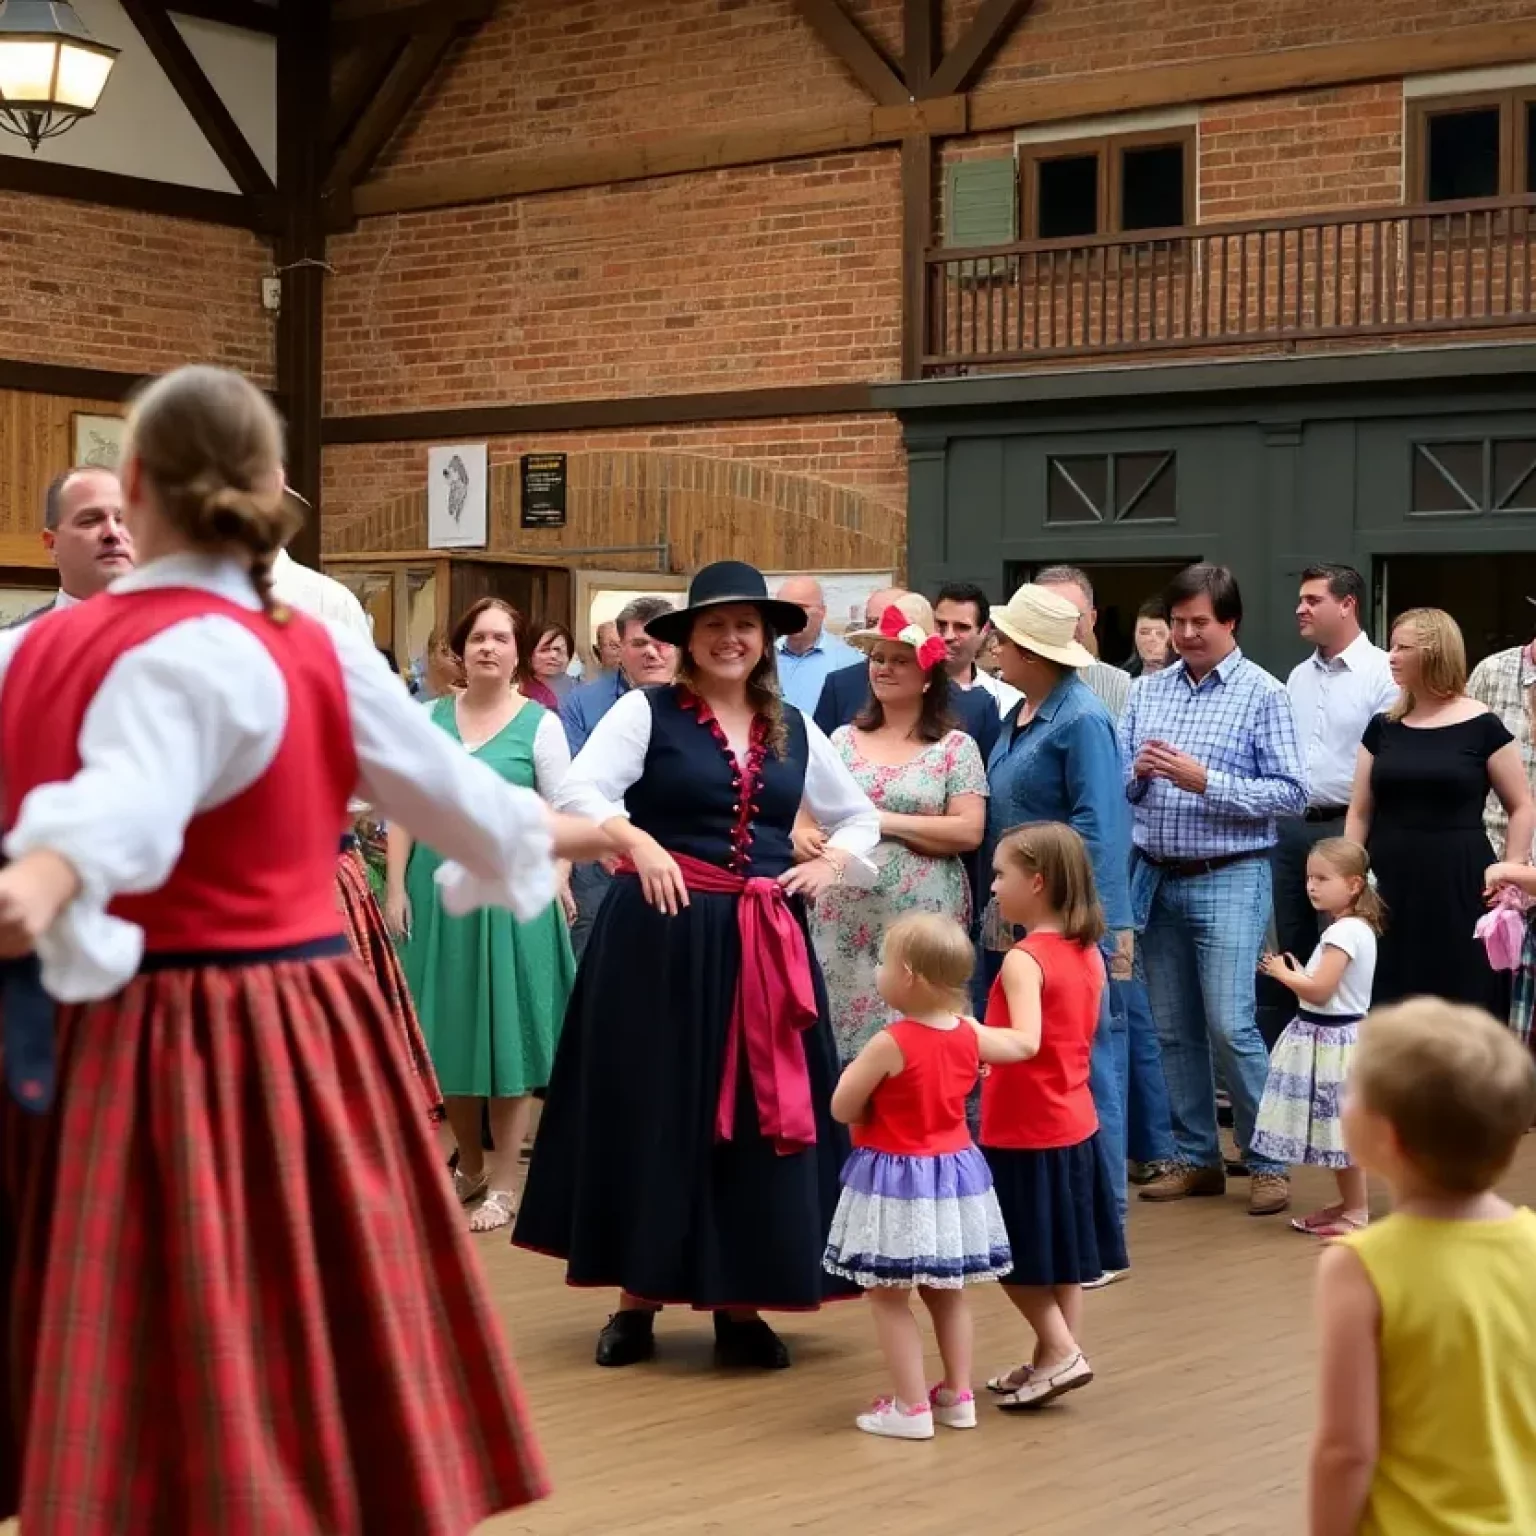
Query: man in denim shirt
x=1212, y=758
x=1057, y=760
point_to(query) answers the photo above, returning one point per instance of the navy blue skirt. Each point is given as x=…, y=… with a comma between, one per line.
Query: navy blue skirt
x=1059, y=1209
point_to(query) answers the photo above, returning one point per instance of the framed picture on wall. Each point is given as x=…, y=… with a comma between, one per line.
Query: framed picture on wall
x=98, y=440
x=457, y=496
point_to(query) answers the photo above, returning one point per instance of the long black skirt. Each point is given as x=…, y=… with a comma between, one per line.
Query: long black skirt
x=628, y=1184
x=1059, y=1209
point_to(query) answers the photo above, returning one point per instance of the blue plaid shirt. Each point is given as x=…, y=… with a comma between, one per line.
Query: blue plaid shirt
x=1238, y=723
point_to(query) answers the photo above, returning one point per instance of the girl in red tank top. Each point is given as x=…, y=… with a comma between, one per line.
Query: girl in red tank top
x=917, y=1209
x=1038, y=1125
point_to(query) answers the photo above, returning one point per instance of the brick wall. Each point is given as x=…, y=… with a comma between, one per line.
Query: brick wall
x=1304, y=153
x=109, y=288
x=813, y=493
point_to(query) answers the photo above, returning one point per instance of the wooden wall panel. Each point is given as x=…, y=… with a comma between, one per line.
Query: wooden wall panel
x=36, y=443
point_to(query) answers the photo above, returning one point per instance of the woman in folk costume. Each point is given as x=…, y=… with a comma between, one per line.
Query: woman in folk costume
x=687, y=1151
x=238, y=1296
x=322, y=597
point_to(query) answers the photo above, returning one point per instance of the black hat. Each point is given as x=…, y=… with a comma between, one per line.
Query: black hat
x=727, y=581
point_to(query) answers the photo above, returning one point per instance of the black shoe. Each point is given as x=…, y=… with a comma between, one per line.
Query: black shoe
x=751, y=1344
x=1236, y=1170
x=628, y=1337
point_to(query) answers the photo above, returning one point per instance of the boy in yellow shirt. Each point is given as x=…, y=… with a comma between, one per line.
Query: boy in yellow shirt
x=1427, y=1421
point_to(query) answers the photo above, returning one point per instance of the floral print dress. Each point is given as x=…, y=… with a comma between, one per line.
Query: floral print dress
x=847, y=925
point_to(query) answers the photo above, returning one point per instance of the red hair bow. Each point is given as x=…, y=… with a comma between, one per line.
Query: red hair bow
x=895, y=625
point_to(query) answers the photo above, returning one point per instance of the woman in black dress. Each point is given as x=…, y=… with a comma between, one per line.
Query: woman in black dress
x=1424, y=773
x=687, y=1152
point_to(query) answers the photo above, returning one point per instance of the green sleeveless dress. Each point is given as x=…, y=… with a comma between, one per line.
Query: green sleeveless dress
x=491, y=991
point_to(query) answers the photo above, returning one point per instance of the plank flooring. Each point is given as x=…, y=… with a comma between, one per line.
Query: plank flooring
x=1197, y=1422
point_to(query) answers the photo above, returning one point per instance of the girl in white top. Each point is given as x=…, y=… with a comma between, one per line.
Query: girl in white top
x=1299, y=1115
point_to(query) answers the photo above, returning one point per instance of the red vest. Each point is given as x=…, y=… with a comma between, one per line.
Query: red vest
x=257, y=872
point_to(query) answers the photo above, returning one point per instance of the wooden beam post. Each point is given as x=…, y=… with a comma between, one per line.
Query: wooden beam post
x=360, y=76
x=207, y=107
x=303, y=88
x=847, y=41
x=990, y=28
x=252, y=15
x=921, y=38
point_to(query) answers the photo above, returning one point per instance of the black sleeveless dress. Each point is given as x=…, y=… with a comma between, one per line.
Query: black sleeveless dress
x=627, y=1182
x=1429, y=851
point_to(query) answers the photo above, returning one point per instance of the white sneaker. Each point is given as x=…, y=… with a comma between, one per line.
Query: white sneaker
x=886, y=1417
x=954, y=1410
x=1044, y=1386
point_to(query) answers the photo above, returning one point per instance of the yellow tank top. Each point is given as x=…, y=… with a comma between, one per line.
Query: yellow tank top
x=1458, y=1375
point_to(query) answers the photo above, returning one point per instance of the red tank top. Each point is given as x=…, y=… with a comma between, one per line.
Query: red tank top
x=921, y=1111
x=257, y=872
x=1045, y=1101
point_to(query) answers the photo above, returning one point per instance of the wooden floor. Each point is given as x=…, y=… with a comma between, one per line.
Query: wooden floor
x=1197, y=1421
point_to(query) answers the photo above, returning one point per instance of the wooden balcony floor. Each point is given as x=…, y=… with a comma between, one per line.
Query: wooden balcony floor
x=1197, y=1422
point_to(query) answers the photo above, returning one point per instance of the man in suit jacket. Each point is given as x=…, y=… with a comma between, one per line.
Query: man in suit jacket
x=83, y=530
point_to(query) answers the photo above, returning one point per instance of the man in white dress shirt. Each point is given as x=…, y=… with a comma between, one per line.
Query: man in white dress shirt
x=1334, y=692
x=313, y=592
x=83, y=530
x=963, y=617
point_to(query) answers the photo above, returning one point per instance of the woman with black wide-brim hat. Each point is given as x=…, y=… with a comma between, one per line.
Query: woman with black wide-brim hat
x=687, y=1152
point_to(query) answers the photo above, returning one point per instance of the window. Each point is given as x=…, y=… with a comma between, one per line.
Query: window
x=1111, y=488
x=1465, y=147
x=1473, y=476
x=1077, y=188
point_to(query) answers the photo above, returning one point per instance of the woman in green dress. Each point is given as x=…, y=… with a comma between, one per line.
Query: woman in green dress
x=491, y=991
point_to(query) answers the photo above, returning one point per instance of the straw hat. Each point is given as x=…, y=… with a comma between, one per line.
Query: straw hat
x=1041, y=622
x=907, y=621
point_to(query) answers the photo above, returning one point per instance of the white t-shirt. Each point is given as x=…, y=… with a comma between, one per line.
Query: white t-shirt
x=1358, y=940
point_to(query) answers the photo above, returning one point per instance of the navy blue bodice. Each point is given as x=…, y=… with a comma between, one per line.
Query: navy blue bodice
x=693, y=798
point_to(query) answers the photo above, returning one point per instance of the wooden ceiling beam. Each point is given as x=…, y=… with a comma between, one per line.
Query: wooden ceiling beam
x=990, y=28
x=360, y=77
x=252, y=15
x=847, y=41
x=207, y=107
x=383, y=115
x=365, y=22
x=41, y=178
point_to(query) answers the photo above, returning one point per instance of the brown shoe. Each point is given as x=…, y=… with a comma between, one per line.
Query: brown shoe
x=1184, y=1181
x=1269, y=1194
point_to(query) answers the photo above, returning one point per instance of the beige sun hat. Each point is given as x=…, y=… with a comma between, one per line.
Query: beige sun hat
x=1044, y=623
x=916, y=629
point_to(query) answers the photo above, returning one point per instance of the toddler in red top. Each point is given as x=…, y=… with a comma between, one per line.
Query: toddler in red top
x=1038, y=1125
x=917, y=1209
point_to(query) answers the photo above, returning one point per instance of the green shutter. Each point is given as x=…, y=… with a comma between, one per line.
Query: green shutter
x=983, y=203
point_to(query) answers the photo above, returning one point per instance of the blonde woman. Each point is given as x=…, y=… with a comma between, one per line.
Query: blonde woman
x=1424, y=770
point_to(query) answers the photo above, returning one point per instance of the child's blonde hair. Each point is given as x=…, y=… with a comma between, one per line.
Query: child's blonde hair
x=1354, y=863
x=1443, y=671
x=936, y=951
x=1052, y=850
x=1457, y=1087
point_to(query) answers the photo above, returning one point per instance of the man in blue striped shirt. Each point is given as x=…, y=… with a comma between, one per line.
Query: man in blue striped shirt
x=1211, y=759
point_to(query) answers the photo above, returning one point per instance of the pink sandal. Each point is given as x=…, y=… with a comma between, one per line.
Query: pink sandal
x=1338, y=1226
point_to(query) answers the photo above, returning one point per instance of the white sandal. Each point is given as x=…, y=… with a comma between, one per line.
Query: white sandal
x=1011, y=1381
x=496, y=1210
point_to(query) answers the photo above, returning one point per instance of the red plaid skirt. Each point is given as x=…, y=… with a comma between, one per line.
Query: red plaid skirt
x=238, y=1293
x=371, y=944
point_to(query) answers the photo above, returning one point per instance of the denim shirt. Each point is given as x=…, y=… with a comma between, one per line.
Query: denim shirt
x=583, y=707
x=1065, y=766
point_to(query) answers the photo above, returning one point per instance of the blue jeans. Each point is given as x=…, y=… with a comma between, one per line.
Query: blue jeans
x=1202, y=943
x=590, y=884
x=1148, y=1126
x=1106, y=1083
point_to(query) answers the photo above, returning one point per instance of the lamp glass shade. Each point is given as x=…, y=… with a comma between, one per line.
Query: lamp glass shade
x=82, y=77
x=26, y=71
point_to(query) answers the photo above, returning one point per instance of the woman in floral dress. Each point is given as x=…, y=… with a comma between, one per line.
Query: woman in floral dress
x=929, y=785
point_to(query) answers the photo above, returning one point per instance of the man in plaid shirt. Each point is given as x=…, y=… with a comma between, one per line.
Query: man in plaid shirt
x=1212, y=758
x=1504, y=682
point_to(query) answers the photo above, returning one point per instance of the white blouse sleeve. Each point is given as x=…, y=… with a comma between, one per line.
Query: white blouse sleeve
x=612, y=759
x=834, y=799
x=551, y=755
x=496, y=836
x=180, y=724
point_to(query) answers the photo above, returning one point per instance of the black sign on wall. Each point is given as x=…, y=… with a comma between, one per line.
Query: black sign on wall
x=543, y=490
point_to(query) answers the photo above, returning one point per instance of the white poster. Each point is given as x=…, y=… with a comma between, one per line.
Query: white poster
x=458, y=478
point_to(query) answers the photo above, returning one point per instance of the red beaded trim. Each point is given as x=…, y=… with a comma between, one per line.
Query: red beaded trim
x=745, y=783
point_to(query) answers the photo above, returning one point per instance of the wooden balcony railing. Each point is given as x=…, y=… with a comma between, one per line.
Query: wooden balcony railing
x=1457, y=267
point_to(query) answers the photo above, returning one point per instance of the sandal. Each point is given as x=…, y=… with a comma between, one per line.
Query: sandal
x=468, y=1189
x=1340, y=1226
x=1318, y=1218
x=1010, y=1381
x=496, y=1210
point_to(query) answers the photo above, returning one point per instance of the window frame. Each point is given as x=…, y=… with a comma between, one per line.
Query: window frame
x=1512, y=141
x=1109, y=150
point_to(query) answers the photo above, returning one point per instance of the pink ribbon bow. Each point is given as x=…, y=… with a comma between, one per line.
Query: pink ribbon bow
x=1502, y=929
x=895, y=625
